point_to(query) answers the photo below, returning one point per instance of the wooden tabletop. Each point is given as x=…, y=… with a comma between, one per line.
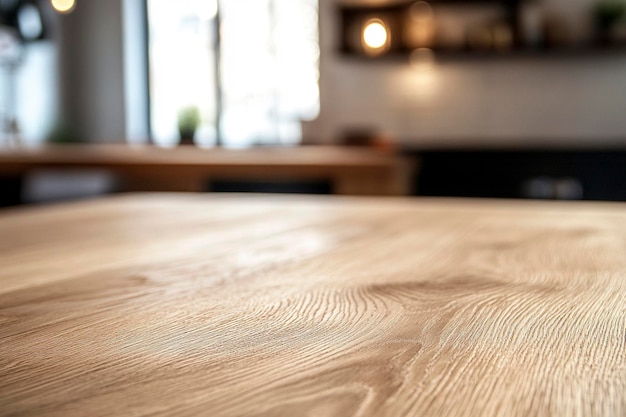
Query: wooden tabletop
x=192, y=305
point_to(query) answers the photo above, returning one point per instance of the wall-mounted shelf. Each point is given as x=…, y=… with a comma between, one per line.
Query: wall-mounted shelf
x=462, y=29
x=445, y=55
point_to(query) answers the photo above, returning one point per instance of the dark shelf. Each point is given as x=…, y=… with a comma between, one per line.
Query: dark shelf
x=444, y=55
x=406, y=4
x=353, y=15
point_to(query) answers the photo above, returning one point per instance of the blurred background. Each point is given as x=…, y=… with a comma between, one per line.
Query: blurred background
x=467, y=98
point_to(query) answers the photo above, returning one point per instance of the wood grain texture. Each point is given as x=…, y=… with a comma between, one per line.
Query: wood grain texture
x=244, y=306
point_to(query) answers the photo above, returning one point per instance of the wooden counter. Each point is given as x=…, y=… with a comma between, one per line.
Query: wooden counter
x=192, y=305
x=351, y=171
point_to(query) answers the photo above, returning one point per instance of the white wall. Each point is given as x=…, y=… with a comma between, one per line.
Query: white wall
x=493, y=101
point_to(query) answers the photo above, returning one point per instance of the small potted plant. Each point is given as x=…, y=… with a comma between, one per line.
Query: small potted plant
x=188, y=122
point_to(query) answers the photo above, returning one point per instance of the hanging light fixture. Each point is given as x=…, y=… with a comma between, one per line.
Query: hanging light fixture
x=63, y=6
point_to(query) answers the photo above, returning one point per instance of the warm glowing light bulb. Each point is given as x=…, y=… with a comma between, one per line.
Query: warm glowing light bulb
x=63, y=6
x=375, y=34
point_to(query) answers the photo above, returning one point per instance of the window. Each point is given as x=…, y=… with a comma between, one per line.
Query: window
x=253, y=85
x=182, y=48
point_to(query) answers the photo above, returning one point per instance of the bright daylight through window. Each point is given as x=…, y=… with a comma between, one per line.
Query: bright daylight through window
x=253, y=85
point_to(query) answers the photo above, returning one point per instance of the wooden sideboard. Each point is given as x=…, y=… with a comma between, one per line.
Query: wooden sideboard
x=350, y=171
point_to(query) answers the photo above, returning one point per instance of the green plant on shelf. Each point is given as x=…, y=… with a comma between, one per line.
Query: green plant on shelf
x=188, y=122
x=61, y=134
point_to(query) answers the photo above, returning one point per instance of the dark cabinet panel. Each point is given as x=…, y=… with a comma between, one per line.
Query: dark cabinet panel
x=10, y=191
x=576, y=175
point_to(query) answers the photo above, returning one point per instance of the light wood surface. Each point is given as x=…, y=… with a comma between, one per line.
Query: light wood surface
x=351, y=171
x=189, y=305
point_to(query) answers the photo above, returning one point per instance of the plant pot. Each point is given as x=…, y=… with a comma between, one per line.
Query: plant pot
x=187, y=137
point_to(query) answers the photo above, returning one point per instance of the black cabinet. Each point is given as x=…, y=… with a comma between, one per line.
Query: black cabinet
x=10, y=191
x=576, y=175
